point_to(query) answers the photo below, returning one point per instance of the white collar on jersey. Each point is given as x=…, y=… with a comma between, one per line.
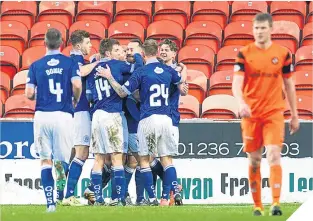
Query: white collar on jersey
x=104, y=59
x=53, y=52
x=152, y=60
x=76, y=52
x=174, y=65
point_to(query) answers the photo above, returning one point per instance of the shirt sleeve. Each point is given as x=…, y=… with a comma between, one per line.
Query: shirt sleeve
x=31, y=80
x=75, y=71
x=288, y=67
x=176, y=77
x=133, y=83
x=239, y=67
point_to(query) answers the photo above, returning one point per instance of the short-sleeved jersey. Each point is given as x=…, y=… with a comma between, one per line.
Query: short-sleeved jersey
x=263, y=71
x=153, y=81
x=53, y=75
x=174, y=101
x=83, y=104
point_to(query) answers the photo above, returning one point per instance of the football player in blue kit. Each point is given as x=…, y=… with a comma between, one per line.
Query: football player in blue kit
x=57, y=80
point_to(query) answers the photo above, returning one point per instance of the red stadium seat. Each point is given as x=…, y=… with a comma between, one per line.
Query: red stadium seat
x=100, y=11
x=96, y=31
x=304, y=58
x=304, y=107
x=303, y=82
x=66, y=51
x=238, y=33
x=197, y=82
x=10, y=60
x=226, y=57
x=1, y=109
x=18, y=106
x=19, y=82
x=134, y=11
x=39, y=30
x=188, y=107
x=246, y=10
x=206, y=33
x=220, y=106
x=31, y=55
x=170, y=10
x=294, y=11
x=62, y=11
x=124, y=31
x=309, y=18
x=211, y=11
x=4, y=86
x=307, y=38
x=166, y=29
x=197, y=57
x=221, y=83
x=22, y=11
x=14, y=34
x=286, y=33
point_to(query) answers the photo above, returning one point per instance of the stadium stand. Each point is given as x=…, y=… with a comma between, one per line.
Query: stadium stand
x=304, y=83
x=188, y=107
x=226, y=57
x=19, y=82
x=4, y=87
x=221, y=83
x=197, y=84
x=304, y=58
x=18, y=106
x=10, y=60
x=32, y=54
x=307, y=34
x=304, y=107
x=246, y=10
x=238, y=33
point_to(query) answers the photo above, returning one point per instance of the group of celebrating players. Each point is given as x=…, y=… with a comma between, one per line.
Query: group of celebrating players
x=125, y=107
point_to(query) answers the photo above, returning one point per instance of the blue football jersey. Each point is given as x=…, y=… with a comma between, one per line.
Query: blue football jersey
x=132, y=113
x=153, y=81
x=52, y=75
x=174, y=101
x=83, y=104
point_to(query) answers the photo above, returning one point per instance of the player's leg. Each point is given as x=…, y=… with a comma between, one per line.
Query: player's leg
x=273, y=135
x=61, y=169
x=157, y=169
x=130, y=168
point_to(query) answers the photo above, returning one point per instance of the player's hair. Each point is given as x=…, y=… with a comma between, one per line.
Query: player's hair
x=53, y=39
x=170, y=43
x=261, y=17
x=137, y=41
x=107, y=45
x=150, y=47
x=78, y=36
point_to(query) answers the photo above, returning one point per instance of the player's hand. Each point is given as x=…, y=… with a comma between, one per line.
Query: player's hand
x=244, y=110
x=137, y=50
x=182, y=66
x=184, y=87
x=294, y=125
x=95, y=56
x=104, y=72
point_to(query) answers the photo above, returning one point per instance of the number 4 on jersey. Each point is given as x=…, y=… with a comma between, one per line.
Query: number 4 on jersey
x=56, y=90
x=103, y=85
x=159, y=90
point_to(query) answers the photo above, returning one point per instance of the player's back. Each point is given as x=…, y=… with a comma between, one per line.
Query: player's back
x=53, y=74
x=264, y=70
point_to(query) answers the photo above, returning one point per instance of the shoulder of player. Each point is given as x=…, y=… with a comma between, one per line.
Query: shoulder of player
x=281, y=49
x=246, y=49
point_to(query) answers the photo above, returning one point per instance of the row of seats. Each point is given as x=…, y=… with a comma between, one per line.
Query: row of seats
x=146, y=12
x=213, y=107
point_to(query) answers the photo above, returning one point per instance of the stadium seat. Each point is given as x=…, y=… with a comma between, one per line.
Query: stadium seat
x=217, y=11
x=4, y=86
x=307, y=35
x=188, y=107
x=294, y=11
x=22, y=11
x=246, y=10
x=96, y=31
x=238, y=33
x=206, y=33
x=62, y=11
x=286, y=33
x=197, y=82
x=134, y=11
x=38, y=31
x=1, y=109
x=226, y=57
x=66, y=51
x=14, y=34
x=303, y=82
x=31, y=55
x=124, y=31
x=309, y=18
x=19, y=82
x=197, y=57
x=166, y=29
x=221, y=83
x=18, y=106
x=304, y=107
x=304, y=58
x=100, y=11
x=170, y=10
x=9, y=60
x=220, y=106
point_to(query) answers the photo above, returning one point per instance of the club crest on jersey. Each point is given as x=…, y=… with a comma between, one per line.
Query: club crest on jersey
x=275, y=60
x=158, y=70
x=53, y=62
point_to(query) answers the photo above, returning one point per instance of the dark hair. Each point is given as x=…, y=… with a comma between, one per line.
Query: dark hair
x=150, y=47
x=53, y=38
x=107, y=45
x=136, y=40
x=78, y=36
x=261, y=17
x=170, y=43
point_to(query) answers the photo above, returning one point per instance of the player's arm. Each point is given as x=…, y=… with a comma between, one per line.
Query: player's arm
x=87, y=69
x=128, y=68
x=183, y=88
x=76, y=82
x=31, y=84
x=131, y=105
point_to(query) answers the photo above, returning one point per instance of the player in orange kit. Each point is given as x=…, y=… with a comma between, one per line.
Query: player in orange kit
x=261, y=69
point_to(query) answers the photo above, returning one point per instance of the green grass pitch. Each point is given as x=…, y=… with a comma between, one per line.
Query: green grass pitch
x=183, y=213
